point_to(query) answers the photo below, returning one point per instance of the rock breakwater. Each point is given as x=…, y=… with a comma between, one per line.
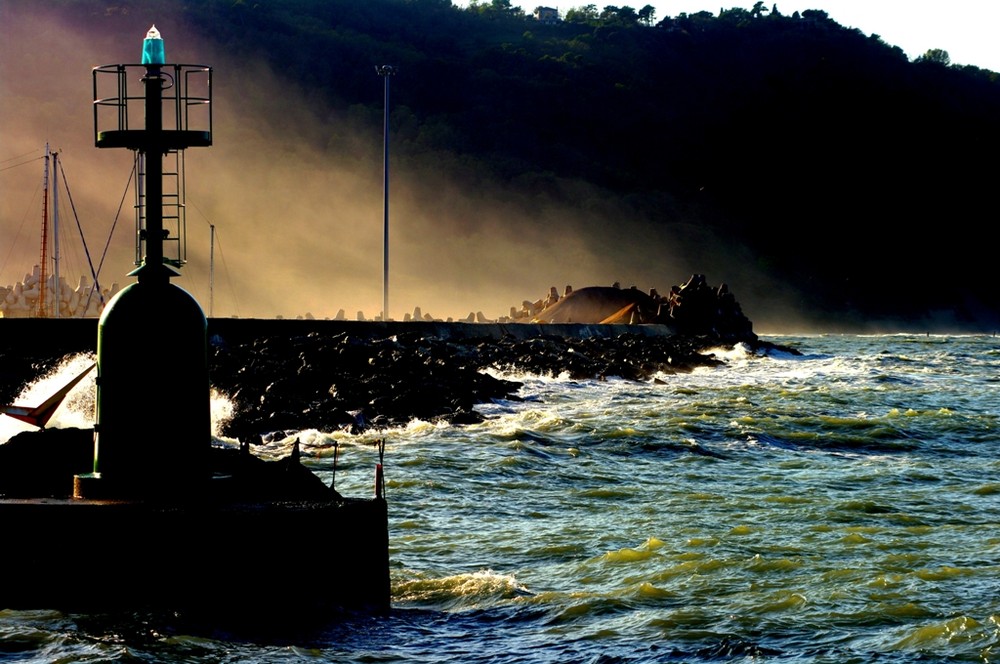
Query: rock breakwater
x=348, y=381
x=330, y=375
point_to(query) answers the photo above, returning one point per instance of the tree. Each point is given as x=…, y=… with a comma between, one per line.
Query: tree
x=736, y=16
x=621, y=16
x=496, y=7
x=585, y=14
x=936, y=56
x=647, y=15
x=817, y=15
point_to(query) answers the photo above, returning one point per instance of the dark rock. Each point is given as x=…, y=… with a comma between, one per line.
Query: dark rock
x=42, y=463
x=285, y=376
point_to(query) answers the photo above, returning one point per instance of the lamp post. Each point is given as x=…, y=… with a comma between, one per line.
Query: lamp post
x=386, y=72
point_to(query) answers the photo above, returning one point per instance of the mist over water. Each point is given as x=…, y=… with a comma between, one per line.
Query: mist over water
x=294, y=189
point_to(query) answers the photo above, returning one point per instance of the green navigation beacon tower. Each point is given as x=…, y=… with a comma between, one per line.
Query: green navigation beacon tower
x=164, y=520
x=153, y=422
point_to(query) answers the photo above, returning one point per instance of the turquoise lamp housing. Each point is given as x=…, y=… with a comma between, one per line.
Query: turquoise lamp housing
x=153, y=52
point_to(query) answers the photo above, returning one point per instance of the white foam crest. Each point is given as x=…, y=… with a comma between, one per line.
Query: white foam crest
x=460, y=591
x=532, y=419
x=9, y=427
x=222, y=412
x=526, y=376
x=738, y=353
x=413, y=431
x=775, y=368
x=317, y=443
x=76, y=410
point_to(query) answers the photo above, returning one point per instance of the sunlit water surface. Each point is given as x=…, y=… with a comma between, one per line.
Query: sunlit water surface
x=840, y=506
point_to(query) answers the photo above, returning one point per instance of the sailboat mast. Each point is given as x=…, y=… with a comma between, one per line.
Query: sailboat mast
x=211, y=270
x=45, y=238
x=57, y=287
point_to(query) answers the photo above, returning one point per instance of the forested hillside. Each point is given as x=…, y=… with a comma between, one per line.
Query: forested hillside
x=864, y=181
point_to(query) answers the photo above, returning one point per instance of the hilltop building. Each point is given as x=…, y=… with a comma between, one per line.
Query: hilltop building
x=547, y=15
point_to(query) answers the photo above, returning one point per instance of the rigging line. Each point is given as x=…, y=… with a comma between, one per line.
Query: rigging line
x=7, y=168
x=229, y=279
x=10, y=250
x=24, y=154
x=24, y=219
x=97, y=286
x=118, y=214
x=86, y=249
x=218, y=242
x=203, y=215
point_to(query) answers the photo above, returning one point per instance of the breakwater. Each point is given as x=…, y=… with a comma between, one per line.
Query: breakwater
x=294, y=374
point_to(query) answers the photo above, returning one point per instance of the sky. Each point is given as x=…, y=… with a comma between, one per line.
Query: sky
x=964, y=28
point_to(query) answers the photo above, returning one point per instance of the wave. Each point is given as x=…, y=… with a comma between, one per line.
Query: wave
x=958, y=636
x=76, y=411
x=78, y=408
x=458, y=591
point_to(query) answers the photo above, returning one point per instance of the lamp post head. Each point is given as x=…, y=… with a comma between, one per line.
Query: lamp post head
x=385, y=70
x=153, y=52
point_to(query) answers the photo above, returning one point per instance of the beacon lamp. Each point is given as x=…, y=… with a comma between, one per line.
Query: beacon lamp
x=153, y=52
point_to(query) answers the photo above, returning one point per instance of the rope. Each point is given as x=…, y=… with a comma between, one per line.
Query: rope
x=83, y=240
x=104, y=255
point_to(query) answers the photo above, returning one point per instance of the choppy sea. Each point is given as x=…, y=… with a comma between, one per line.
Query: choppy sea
x=838, y=506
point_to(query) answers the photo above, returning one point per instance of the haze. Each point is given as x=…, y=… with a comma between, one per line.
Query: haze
x=300, y=223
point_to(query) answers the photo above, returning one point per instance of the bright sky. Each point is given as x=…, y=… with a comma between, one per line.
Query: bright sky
x=967, y=29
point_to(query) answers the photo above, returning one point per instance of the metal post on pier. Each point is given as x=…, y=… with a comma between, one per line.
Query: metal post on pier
x=386, y=72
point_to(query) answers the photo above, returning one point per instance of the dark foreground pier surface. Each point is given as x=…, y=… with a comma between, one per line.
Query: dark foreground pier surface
x=212, y=557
